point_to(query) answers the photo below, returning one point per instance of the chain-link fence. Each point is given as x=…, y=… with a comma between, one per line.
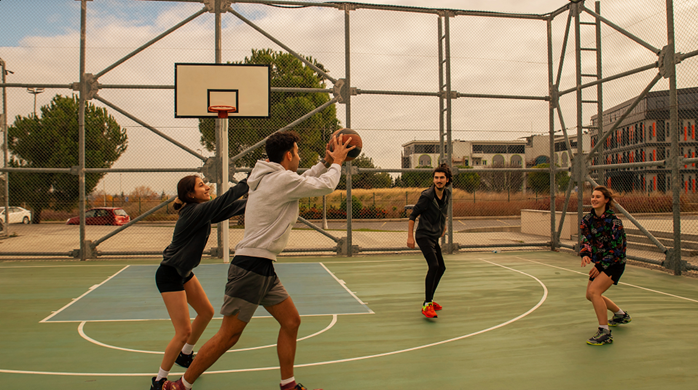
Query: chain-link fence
x=531, y=110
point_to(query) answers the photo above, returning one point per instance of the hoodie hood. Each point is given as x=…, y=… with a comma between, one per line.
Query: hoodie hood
x=260, y=170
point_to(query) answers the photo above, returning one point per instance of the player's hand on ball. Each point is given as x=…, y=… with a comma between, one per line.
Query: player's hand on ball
x=340, y=149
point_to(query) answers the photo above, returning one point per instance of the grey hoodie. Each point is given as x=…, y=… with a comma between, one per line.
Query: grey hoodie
x=272, y=204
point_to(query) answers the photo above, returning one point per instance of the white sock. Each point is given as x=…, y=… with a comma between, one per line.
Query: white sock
x=186, y=384
x=162, y=374
x=187, y=349
x=287, y=381
x=620, y=312
x=604, y=327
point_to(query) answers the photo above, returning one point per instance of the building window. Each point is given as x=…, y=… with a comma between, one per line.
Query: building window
x=498, y=161
x=424, y=161
x=516, y=161
x=433, y=149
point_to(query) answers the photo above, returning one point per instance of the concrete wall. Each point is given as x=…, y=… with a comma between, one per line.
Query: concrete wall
x=538, y=222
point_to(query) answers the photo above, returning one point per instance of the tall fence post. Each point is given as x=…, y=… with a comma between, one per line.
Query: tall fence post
x=673, y=257
x=552, y=104
x=6, y=223
x=347, y=102
x=81, y=131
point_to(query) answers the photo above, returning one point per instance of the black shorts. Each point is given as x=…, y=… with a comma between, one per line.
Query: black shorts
x=614, y=271
x=168, y=279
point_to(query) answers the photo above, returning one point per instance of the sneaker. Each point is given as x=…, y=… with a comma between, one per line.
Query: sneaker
x=184, y=360
x=157, y=385
x=178, y=385
x=437, y=307
x=301, y=387
x=601, y=337
x=298, y=386
x=619, y=319
x=428, y=311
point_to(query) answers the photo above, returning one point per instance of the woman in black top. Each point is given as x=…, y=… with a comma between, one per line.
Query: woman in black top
x=175, y=279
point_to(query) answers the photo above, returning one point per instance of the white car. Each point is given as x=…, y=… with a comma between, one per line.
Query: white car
x=17, y=215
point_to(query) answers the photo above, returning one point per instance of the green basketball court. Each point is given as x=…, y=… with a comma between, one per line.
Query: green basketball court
x=513, y=320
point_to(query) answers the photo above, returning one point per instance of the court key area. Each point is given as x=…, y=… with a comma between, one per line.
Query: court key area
x=513, y=320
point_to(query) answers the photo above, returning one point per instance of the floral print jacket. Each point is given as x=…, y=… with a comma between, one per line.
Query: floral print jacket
x=603, y=239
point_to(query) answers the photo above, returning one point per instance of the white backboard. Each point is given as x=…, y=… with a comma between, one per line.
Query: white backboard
x=198, y=86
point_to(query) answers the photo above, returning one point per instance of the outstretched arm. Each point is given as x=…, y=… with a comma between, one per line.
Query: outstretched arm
x=224, y=206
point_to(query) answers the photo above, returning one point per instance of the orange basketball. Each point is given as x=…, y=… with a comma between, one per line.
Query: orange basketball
x=355, y=141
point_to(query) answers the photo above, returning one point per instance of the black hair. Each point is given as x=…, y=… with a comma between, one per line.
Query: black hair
x=279, y=143
x=185, y=186
x=443, y=168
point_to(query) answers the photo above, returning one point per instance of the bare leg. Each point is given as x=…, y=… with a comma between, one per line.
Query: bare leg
x=196, y=296
x=227, y=336
x=289, y=319
x=595, y=289
x=176, y=303
x=610, y=305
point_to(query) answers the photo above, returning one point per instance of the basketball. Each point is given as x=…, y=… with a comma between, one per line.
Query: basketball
x=355, y=141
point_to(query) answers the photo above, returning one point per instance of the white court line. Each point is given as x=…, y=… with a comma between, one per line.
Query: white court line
x=341, y=283
x=59, y=266
x=545, y=295
x=81, y=331
x=215, y=318
x=625, y=284
x=86, y=292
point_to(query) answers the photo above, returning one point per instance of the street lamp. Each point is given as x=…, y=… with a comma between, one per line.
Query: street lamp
x=35, y=91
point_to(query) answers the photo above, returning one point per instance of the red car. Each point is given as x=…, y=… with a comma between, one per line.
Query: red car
x=103, y=216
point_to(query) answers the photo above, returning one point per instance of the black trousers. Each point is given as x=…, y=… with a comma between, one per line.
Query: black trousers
x=432, y=253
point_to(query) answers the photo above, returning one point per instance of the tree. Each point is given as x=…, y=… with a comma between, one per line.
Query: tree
x=415, y=179
x=540, y=181
x=498, y=181
x=366, y=179
x=468, y=180
x=51, y=141
x=286, y=71
x=143, y=193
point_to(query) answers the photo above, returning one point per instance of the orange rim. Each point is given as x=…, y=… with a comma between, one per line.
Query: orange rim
x=222, y=111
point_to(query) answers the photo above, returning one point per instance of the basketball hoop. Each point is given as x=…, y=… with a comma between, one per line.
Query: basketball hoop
x=222, y=110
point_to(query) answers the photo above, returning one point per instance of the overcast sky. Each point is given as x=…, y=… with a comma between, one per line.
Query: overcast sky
x=398, y=51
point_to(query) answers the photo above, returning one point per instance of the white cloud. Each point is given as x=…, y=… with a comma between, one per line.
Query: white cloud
x=390, y=51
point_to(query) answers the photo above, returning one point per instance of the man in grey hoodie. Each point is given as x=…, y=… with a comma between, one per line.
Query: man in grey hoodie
x=272, y=210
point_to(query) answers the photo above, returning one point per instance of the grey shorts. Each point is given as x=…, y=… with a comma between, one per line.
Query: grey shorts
x=252, y=281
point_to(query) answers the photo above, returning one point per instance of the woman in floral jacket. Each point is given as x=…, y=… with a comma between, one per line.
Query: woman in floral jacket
x=603, y=243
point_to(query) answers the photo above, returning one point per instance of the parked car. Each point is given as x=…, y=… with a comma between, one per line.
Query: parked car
x=103, y=216
x=17, y=215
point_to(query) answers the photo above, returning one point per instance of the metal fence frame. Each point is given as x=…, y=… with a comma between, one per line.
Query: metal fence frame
x=343, y=90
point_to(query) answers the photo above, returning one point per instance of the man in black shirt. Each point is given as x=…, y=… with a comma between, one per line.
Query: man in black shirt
x=432, y=208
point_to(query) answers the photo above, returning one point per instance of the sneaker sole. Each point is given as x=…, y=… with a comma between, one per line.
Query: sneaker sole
x=618, y=323
x=605, y=342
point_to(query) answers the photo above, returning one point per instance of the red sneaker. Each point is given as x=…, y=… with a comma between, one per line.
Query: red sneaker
x=437, y=307
x=178, y=385
x=428, y=311
x=295, y=386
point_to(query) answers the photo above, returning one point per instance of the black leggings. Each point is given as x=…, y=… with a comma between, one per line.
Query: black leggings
x=432, y=252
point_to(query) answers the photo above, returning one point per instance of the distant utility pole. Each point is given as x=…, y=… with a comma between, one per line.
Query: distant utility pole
x=35, y=91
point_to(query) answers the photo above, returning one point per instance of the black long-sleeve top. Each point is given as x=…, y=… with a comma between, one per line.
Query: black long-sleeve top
x=432, y=213
x=194, y=226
